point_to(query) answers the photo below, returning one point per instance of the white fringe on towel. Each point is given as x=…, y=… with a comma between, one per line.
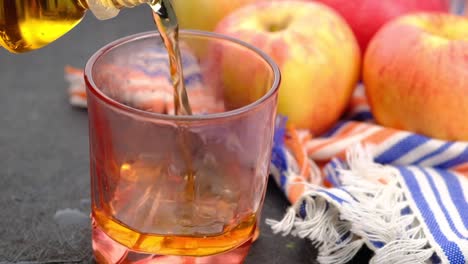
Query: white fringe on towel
x=374, y=217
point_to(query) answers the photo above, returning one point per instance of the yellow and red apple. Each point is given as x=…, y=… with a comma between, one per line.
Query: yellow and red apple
x=315, y=49
x=366, y=17
x=416, y=75
x=205, y=14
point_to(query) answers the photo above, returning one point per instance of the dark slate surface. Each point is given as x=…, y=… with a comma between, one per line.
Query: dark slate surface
x=44, y=156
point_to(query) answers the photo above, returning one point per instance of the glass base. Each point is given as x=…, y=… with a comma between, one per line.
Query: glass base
x=107, y=251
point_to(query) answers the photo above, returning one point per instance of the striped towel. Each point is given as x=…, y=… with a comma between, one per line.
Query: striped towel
x=403, y=195
x=143, y=81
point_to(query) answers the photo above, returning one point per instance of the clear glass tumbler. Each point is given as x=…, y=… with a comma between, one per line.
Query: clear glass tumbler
x=179, y=189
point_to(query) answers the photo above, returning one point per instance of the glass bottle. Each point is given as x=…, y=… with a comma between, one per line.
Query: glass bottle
x=31, y=24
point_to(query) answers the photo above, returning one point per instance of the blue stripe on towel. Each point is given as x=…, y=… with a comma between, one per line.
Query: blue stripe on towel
x=450, y=248
x=438, y=151
x=456, y=194
x=461, y=158
x=441, y=203
x=401, y=148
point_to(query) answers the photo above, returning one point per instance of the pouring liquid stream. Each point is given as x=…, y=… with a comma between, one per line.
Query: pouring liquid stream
x=166, y=22
x=168, y=27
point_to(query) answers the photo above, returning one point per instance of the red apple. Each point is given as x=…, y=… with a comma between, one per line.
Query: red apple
x=315, y=49
x=416, y=75
x=366, y=17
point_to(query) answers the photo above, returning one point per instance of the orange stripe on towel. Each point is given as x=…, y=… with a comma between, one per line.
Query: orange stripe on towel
x=78, y=94
x=462, y=169
x=296, y=189
x=345, y=132
x=72, y=70
x=293, y=142
x=380, y=136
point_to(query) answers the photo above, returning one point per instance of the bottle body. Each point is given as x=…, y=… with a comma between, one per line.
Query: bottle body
x=27, y=25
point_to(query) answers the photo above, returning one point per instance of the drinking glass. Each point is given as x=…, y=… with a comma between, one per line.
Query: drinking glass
x=179, y=189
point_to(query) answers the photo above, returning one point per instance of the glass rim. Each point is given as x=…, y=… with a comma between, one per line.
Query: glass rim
x=93, y=88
